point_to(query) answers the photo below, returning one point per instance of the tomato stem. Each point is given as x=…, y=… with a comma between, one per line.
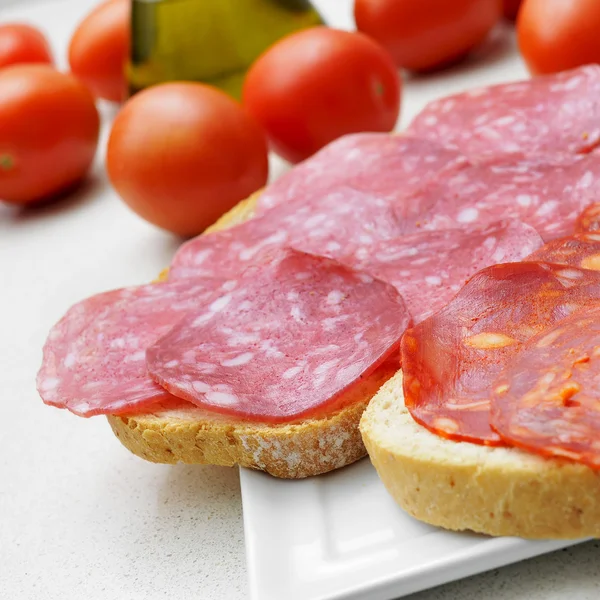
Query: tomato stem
x=6, y=162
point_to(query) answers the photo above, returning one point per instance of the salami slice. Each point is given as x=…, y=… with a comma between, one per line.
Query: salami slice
x=430, y=267
x=579, y=250
x=547, y=400
x=589, y=220
x=388, y=166
x=95, y=356
x=548, y=194
x=451, y=360
x=547, y=114
x=288, y=338
x=343, y=223
x=364, y=232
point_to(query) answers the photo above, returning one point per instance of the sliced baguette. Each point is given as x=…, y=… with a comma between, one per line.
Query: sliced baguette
x=291, y=450
x=464, y=486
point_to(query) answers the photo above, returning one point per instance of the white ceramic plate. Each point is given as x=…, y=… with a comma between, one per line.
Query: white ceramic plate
x=341, y=536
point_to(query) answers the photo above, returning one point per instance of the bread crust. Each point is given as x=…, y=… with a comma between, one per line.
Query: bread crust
x=291, y=450
x=464, y=486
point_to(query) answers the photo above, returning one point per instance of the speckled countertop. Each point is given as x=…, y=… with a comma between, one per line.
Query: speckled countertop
x=79, y=516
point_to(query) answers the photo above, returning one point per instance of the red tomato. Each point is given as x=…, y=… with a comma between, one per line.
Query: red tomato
x=427, y=34
x=319, y=84
x=555, y=35
x=511, y=9
x=99, y=50
x=20, y=43
x=48, y=132
x=182, y=154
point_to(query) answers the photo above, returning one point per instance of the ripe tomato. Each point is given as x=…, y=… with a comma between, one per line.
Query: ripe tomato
x=319, y=84
x=20, y=43
x=511, y=9
x=182, y=154
x=99, y=50
x=48, y=132
x=427, y=34
x=555, y=35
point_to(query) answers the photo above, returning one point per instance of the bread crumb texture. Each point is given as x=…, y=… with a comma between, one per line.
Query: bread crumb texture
x=464, y=486
x=290, y=450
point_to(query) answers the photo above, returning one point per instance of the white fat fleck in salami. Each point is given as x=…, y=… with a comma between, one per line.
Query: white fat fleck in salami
x=547, y=193
x=94, y=358
x=428, y=268
x=547, y=114
x=294, y=365
x=389, y=166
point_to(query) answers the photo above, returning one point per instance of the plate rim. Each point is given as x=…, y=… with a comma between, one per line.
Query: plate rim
x=497, y=552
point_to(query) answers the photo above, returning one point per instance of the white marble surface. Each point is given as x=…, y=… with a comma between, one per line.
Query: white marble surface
x=79, y=516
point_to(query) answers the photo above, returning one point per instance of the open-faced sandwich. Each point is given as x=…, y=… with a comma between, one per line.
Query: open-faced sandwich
x=269, y=335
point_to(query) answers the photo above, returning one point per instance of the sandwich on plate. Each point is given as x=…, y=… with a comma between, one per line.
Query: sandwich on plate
x=432, y=298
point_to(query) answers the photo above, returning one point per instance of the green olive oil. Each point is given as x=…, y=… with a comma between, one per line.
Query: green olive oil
x=213, y=41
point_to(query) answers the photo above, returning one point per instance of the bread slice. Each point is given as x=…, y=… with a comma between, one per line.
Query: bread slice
x=292, y=450
x=464, y=486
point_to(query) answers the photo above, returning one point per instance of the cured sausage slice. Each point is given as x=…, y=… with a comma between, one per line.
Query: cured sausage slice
x=345, y=222
x=283, y=341
x=430, y=267
x=589, y=220
x=389, y=166
x=547, y=399
x=579, y=250
x=451, y=360
x=547, y=114
x=546, y=193
x=95, y=356
x=364, y=232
